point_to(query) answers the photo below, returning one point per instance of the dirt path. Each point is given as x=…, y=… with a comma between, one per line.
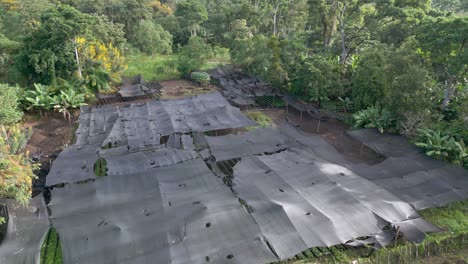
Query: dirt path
x=332, y=130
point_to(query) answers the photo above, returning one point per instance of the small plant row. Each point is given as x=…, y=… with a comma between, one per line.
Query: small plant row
x=46, y=99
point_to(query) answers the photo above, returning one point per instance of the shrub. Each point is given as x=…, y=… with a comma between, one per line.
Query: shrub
x=200, y=77
x=375, y=117
x=442, y=145
x=262, y=119
x=194, y=55
x=9, y=112
x=16, y=171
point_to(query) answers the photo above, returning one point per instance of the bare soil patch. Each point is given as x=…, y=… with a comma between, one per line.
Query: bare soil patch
x=175, y=89
x=50, y=136
x=332, y=130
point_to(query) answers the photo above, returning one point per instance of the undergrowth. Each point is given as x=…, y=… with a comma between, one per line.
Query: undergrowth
x=261, y=119
x=51, y=250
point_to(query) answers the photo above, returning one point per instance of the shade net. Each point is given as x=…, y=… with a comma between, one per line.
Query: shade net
x=27, y=227
x=175, y=195
x=111, y=130
x=175, y=214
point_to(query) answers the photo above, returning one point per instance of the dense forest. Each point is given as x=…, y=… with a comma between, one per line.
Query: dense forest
x=398, y=65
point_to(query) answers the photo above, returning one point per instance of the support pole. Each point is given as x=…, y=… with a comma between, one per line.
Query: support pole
x=318, y=126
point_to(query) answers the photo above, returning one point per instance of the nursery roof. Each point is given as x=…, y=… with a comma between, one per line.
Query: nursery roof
x=166, y=197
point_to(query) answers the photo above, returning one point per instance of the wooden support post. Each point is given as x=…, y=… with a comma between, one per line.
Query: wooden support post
x=362, y=146
x=301, y=115
x=318, y=126
x=397, y=234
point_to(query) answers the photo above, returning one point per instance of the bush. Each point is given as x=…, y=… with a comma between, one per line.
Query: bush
x=202, y=78
x=375, y=117
x=194, y=55
x=16, y=171
x=151, y=38
x=443, y=146
x=9, y=112
x=44, y=98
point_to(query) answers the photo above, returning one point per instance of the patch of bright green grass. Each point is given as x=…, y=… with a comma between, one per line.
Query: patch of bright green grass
x=51, y=250
x=261, y=119
x=153, y=67
x=100, y=167
x=163, y=67
x=453, y=218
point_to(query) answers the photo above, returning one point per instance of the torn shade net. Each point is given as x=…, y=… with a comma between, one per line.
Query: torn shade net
x=27, y=228
x=176, y=214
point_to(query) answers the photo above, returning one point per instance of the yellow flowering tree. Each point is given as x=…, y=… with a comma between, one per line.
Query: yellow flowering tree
x=159, y=7
x=99, y=62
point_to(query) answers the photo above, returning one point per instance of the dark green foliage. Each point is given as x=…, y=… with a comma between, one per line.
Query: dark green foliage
x=194, y=55
x=442, y=145
x=100, y=167
x=375, y=117
x=151, y=38
x=51, y=250
x=190, y=14
x=48, y=52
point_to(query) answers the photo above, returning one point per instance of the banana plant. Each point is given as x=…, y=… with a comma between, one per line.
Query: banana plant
x=68, y=100
x=40, y=98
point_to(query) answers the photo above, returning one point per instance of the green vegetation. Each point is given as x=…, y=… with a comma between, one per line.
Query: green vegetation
x=194, y=55
x=153, y=67
x=51, y=250
x=100, y=167
x=453, y=218
x=399, y=65
x=202, y=78
x=9, y=105
x=261, y=119
x=374, y=117
x=443, y=146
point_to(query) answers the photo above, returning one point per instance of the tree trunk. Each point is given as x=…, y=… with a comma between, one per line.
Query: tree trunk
x=449, y=92
x=341, y=19
x=328, y=23
x=275, y=20
x=77, y=59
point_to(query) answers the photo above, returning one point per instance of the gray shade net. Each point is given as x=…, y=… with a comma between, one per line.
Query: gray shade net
x=176, y=214
x=258, y=141
x=112, y=131
x=27, y=227
x=411, y=175
x=161, y=203
x=317, y=204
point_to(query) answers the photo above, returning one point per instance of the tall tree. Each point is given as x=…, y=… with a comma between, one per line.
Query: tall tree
x=191, y=14
x=444, y=41
x=51, y=50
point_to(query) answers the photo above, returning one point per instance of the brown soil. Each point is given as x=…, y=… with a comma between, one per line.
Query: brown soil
x=175, y=89
x=332, y=130
x=50, y=136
